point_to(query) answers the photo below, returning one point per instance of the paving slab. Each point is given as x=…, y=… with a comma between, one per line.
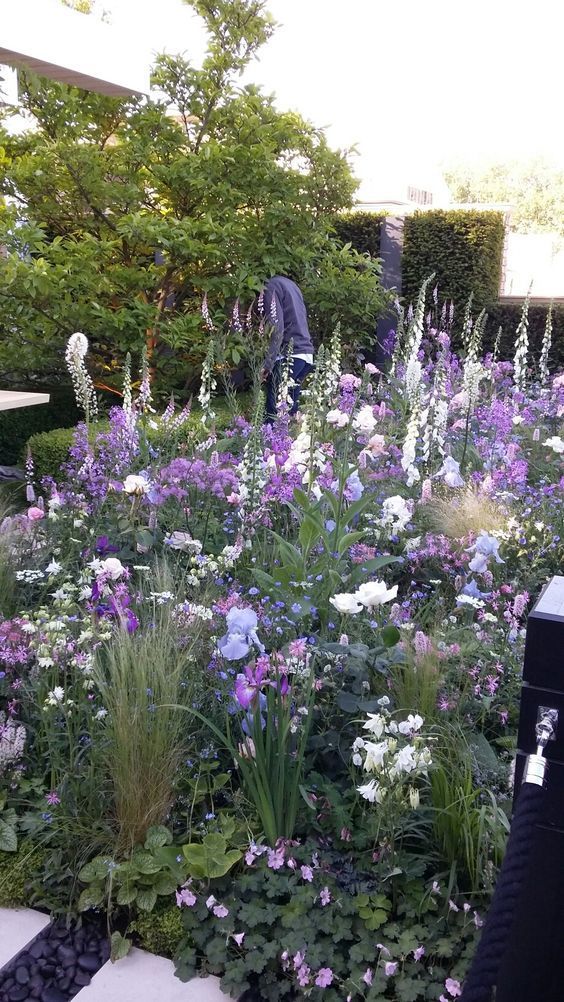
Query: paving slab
x=143, y=977
x=18, y=926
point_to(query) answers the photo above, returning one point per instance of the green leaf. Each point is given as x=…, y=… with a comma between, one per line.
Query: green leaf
x=126, y=894
x=8, y=837
x=210, y=859
x=146, y=899
x=96, y=869
x=120, y=947
x=390, y=635
x=91, y=897
x=145, y=862
x=157, y=836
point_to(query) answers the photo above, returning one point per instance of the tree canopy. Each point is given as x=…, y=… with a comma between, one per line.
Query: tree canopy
x=535, y=189
x=120, y=214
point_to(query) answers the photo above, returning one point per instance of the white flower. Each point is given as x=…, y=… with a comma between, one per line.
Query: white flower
x=375, y=724
x=373, y=593
x=450, y=472
x=414, y=798
x=555, y=443
x=180, y=540
x=375, y=754
x=365, y=422
x=396, y=512
x=101, y=714
x=136, y=484
x=405, y=761
x=357, y=759
x=346, y=603
x=337, y=418
x=112, y=568
x=77, y=344
x=53, y=568
x=517, y=419
x=56, y=695
x=411, y=725
x=372, y=792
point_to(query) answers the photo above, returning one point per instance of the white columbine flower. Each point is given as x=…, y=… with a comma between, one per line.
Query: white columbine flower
x=376, y=724
x=411, y=725
x=365, y=422
x=373, y=593
x=53, y=568
x=372, y=792
x=555, y=443
x=136, y=484
x=346, y=603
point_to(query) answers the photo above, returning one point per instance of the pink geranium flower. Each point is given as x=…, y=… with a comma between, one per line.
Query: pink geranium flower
x=324, y=977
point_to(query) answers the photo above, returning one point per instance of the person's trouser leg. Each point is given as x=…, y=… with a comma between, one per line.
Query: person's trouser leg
x=272, y=384
x=299, y=372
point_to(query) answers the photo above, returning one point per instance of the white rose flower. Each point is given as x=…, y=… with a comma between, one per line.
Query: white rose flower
x=373, y=593
x=365, y=422
x=337, y=418
x=555, y=443
x=136, y=484
x=346, y=603
x=112, y=568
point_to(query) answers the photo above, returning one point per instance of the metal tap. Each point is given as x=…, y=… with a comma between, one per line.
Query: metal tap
x=545, y=731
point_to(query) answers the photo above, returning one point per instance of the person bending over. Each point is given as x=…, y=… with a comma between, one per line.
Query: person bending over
x=285, y=309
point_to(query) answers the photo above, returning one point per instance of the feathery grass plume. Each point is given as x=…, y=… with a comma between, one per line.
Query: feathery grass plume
x=75, y=354
x=416, y=681
x=461, y=513
x=144, y=679
x=545, y=349
x=208, y=386
x=522, y=346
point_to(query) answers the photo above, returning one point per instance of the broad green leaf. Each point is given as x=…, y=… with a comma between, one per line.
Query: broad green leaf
x=146, y=899
x=157, y=836
x=91, y=897
x=120, y=947
x=8, y=837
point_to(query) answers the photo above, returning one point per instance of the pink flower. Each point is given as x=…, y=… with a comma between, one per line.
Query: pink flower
x=390, y=968
x=325, y=896
x=453, y=987
x=239, y=937
x=324, y=977
x=478, y=922
x=307, y=873
x=418, y=953
x=53, y=798
x=368, y=976
x=34, y=513
x=220, y=911
x=276, y=858
x=185, y=897
x=452, y=907
x=298, y=959
x=346, y=835
x=303, y=976
x=297, y=648
x=369, y=367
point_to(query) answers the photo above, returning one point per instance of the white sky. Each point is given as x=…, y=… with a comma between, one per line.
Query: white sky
x=411, y=82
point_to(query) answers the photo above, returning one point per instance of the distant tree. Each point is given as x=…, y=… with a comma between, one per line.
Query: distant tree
x=121, y=214
x=534, y=188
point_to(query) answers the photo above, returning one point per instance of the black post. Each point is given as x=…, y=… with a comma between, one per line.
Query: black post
x=391, y=247
x=533, y=964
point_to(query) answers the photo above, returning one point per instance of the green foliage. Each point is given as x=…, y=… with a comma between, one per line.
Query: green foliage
x=361, y=230
x=210, y=858
x=281, y=915
x=151, y=871
x=507, y=315
x=150, y=205
x=160, y=931
x=17, y=426
x=50, y=450
x=463, y=248
x=16, y=870
x=534, y=189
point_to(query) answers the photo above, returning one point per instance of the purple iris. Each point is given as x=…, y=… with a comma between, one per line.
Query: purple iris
x=472, y=589
x=103, y=546
x=248, y=685
x=241, y=633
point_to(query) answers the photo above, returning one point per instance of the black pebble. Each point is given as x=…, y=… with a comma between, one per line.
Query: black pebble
x=66, y=956
x=53, y=994
x=36, y=981
x=82, y=979
x=18, y=994
x=22, y=975
x=36, y=949
x=89, y=962
x=64, y=984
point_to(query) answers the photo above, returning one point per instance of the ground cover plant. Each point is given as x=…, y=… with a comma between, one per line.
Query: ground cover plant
x=259, y=685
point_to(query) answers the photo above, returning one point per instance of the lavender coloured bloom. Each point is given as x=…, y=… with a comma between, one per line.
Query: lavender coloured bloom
x=241, y=634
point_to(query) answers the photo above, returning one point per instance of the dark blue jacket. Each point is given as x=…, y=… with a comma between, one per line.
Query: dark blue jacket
x=285, y=310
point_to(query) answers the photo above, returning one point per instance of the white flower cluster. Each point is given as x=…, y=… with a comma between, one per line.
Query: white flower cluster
x=208, y=385
x=396, y=513
x=367, y=596
x=398, y=754
x=521, y=347
x=12, y=741
x=77, y=347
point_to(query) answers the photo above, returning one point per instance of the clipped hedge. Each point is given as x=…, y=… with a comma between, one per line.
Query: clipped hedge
x=16, y=426
x=464, y=248
x=507, y=316
x=361, y=230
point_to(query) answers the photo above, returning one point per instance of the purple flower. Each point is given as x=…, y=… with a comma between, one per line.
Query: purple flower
x=276, y=858
x=241, y=633
x=53, y=798
x=185, y=897
x=324, y=977
x=307, y=873
x=368, y=976
x=220, y=911
x=325, y=896
x=390, y=968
